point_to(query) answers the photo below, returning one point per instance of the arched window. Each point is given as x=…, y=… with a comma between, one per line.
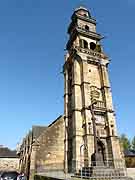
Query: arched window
x=87, y=28
x=92, y=46
x=83, y=44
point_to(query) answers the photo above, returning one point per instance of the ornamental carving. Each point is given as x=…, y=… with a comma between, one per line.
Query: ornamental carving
x=95, y=94
x=92, y=53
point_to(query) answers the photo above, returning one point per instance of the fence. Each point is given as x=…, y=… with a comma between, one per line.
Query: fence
x=103, y=170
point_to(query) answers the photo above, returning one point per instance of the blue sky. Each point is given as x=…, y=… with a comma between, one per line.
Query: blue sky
x=32, y=41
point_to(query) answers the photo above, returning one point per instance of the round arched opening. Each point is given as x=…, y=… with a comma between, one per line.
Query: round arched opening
x=85, y=44
x=92, y=46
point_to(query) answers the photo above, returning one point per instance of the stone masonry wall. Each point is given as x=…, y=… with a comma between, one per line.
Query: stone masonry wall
x=8, y=164
x=50, y=154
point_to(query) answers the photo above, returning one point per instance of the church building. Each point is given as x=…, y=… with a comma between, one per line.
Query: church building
x=84, y=139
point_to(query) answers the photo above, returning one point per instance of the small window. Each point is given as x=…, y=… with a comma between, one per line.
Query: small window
x=87, y=28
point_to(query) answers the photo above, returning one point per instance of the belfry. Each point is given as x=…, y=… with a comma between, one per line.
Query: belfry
x=90, y=128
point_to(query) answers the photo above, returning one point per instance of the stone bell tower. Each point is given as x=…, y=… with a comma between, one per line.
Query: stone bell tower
x=86, y=81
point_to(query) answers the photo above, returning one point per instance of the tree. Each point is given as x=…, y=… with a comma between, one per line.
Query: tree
x=133, y=144
x=125, y=142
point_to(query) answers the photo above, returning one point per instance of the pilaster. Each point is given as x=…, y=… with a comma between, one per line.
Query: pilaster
x=76, y=114
x=33, y=161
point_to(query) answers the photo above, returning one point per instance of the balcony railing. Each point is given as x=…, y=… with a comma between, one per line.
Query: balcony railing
x=100, y=105
x=91, y=52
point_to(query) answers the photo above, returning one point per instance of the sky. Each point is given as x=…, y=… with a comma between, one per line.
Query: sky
x=33, y=35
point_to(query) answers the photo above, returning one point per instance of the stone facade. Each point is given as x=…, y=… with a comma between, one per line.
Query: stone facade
x=50, y=153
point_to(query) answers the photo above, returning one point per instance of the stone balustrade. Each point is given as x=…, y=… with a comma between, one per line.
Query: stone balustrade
x=99, y=105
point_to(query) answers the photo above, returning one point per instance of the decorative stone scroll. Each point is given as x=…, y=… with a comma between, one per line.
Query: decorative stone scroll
x=95, y=94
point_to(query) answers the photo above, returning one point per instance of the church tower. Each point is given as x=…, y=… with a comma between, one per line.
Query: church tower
x=87, y=86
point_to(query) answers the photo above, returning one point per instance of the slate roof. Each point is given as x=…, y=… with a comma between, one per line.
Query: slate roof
x=81, y=8
x=55, y=120
x=5, y=152
x=37, y=130
x=129, y=153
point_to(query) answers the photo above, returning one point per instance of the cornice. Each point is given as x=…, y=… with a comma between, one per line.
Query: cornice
x=87, y=19
x=76, y=84
x=90, y=34
x=98, y=56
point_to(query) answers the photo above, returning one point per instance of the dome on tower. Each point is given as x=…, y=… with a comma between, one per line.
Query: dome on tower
x=83, y=11
x=81, y=8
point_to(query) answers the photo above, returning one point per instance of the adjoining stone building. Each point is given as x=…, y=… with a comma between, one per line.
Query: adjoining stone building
x=25, y=150
x=43, y=149
x=85, y=137
x=50, y=151
x=9, y=160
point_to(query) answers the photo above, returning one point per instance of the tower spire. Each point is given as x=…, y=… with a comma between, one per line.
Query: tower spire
x=87, y=79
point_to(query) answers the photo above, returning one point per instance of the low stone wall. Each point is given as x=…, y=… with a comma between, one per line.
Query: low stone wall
x=131, y=172
x=8, y=164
